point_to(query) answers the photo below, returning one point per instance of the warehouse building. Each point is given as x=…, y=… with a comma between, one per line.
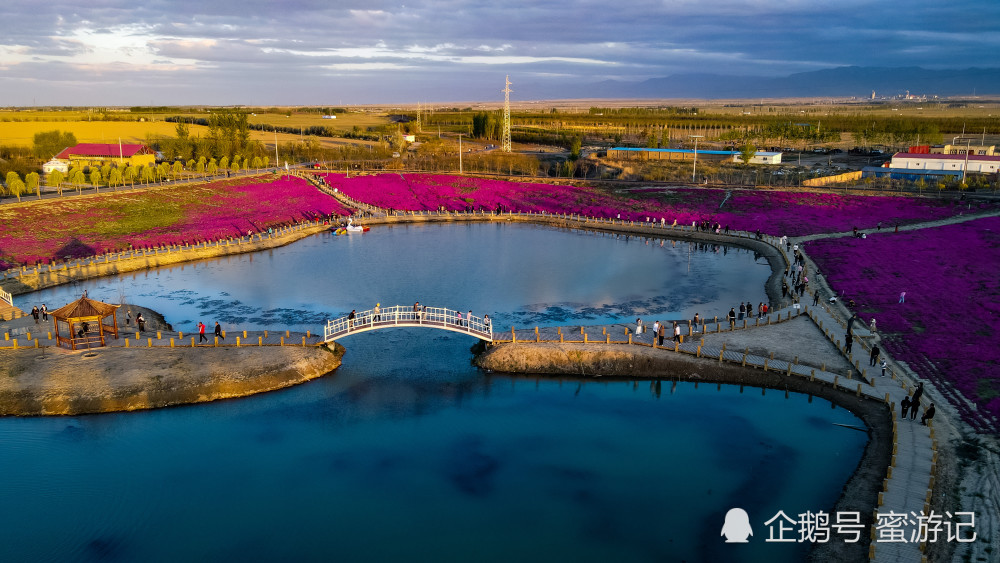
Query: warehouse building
x=98, y=154
x=628, y=153
x=969, y=163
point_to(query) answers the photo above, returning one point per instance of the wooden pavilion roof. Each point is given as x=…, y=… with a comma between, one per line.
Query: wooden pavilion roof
x=84, y=307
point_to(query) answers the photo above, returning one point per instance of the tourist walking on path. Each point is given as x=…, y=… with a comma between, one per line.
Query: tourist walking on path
x=656, y=328
x=35, y=313
x=928, y=414
x=883, y=365
x=905, y=406
x=848, y=343
x=749, y=309
x=902, y=297
x=873, y=359
x=661, y=332
x=350, y=318
x=732, y=318
x=128, y=317
x=677, y=333
x=815, y=299
x=638, y=326
x=45, y=312
x=218, y=331
x=201, y=332
x=872, y=326
x=377, y=313
x=915, y=401
x=141, y=321
x=918, y=393
x=468, y=319
x=743, y=310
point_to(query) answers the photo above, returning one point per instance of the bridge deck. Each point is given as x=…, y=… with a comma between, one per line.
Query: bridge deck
x=406, y=316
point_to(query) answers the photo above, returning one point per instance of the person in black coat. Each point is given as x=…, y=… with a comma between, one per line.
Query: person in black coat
x=927, y=415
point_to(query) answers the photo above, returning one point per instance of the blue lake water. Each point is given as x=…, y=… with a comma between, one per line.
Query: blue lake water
x=408, y=452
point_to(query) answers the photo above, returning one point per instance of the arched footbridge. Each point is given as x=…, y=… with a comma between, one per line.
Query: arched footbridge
x=409, y=316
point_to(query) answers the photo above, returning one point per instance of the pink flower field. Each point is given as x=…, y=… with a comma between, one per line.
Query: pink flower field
x=949, y=325
x=82, y=226
x=773, y=212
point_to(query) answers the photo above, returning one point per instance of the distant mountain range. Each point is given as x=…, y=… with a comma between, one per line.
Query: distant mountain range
x=834, y=82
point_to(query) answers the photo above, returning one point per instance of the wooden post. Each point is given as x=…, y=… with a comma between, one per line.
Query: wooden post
x=303, y=341
x=244, y=335
x=192, y=342
x=260, y=341
x=216, y=344
x=765, y=364
x=171, y=342
x=607, y=338
x=585, y=338
x=744, y=362
x=513, y=335
x=288, y=334
x=126, y=343
x=721, y=352
x=158, y=335
x=180, y=336
x=149, y=343
x=630, y=340
x=282, y=341
x=859, y=390
x=812, y=375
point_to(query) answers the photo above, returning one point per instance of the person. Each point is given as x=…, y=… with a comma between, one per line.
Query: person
x=848, y=343
x=815, y=298
x=872, y=327
x=873, y=358
x=905, y=406
x=35, y=313
x=883, y=365
x=928, y=414
x=45, y=312
x=141, y=321
x=416, y=311
x=638, y=326
x=656, y=328
x=458, y=318
x=468, y=319
x=743, y=310
x=350, y=319
x=919, y=392
x=377, y=313
x=902, y=297
x=749, y=309
x=486, y=324
x=218, y=331
x=732, y=318
x=677, y=332
x=201, y=332
x=128, y=317
x=661, y=332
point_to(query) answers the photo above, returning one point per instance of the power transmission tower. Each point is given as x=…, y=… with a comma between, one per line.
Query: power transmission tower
x=505, y=145
x=419, y=127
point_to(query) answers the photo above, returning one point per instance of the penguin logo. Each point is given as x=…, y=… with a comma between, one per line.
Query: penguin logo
x=737, y=526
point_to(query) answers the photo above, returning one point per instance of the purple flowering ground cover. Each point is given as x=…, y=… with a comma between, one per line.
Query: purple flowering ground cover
x=773, y=212
x=83, y=226
x=948, y=328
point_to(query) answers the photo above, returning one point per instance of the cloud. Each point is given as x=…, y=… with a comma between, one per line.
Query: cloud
x=556, y=41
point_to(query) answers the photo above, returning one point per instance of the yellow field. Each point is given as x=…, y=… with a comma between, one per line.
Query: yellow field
x=23, y=133
x=19, y=128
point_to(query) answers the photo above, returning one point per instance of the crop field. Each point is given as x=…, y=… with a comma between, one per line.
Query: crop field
x=23, y=132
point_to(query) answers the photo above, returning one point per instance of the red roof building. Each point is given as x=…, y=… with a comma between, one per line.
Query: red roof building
x=87, y=154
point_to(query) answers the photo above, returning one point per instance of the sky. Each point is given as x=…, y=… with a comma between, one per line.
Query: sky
x=336, y=52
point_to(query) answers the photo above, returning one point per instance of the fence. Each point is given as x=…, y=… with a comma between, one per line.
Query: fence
x=402, y=315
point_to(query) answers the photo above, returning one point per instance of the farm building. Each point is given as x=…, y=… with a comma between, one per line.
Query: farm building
x=908, y=174
x=55, y=164
x=627, y=153
x=97, y=154
x=953, y=162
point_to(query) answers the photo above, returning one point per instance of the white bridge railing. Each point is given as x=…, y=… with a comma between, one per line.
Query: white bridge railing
x=403, y=315
x=6, y=298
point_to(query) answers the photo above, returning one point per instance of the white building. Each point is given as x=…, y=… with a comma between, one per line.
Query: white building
x=56, y=164
x=761, y=157
x=950, y=162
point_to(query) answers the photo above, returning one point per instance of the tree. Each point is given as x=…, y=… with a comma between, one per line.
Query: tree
x=212, y=167
x=747, y=152
x=50, y=143
x=146, y=174
x=16, y=188
x=12, y=177
x=77, y=177
x=256, y=163
x=56, y=178
x=115, y=178
x=235, y=167
x=33, y=184
x=177, y=168
x=224, y=162
x=129, y=175
x=574, y=147
x=95, y=177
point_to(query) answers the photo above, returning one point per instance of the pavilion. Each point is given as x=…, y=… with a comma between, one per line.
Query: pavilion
x=85, y=320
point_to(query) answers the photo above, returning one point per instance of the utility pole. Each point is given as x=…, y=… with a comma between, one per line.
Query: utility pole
x=460, y=153
x=694, y=168
x=505, y=144
x=968, y=148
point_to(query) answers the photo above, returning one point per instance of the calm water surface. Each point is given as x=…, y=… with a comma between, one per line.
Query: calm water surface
x=408, y=452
